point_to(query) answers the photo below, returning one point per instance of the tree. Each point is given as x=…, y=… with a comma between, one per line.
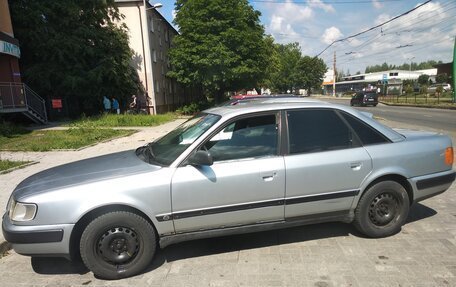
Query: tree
x=75, y=51
x=310, y=72
x=441, y=78
x=423, y=79
x=282, y=79
x=221, y=45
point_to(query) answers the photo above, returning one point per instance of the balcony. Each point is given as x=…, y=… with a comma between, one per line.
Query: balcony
x=19, y=98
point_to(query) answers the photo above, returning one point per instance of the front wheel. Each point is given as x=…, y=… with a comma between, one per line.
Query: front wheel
x=118, y=245
x=382, y=210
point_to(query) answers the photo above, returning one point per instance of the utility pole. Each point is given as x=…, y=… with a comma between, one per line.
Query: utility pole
x=334, y=75
x=454, y=71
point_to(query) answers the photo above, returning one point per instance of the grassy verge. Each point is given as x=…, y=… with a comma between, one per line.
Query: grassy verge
x=8, y=164
x=14, y=138
x=126, y=120
x=419, y=101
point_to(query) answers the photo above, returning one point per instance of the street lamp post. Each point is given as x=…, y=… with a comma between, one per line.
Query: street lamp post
x=410, y=67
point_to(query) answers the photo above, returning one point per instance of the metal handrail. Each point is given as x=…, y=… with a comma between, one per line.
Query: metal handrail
x=20, y=96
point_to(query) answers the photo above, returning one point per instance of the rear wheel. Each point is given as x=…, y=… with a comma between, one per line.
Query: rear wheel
x=382, y=210
x=117, y=245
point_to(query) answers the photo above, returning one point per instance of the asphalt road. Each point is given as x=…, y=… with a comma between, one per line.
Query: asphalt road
x=438, y=119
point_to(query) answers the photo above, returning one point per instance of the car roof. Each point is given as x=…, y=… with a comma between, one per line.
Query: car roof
x=274, y=104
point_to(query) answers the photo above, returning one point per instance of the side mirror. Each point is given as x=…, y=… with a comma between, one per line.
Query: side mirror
x=200, y=157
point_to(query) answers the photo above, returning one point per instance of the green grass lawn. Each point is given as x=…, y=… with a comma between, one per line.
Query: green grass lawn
x=126, y=120
x=7, y=164
x=18, y=139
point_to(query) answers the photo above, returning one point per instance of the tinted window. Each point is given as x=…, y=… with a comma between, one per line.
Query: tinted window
x=245, y=138
x=366, y=134
x=317, y=130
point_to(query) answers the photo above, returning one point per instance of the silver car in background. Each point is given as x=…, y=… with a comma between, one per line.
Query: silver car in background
x=232, y=169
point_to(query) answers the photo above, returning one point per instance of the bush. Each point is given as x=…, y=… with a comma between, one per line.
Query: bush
x=193, y=108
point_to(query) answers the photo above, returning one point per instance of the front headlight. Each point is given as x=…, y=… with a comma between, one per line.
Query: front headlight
x=19, y=211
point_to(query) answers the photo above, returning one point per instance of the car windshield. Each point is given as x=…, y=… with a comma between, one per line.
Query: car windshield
x=166, y=149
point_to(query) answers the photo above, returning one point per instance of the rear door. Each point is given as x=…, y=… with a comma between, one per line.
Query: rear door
x=325, y=164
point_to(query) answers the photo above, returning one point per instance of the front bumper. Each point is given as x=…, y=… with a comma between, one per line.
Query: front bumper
x=38, y=240
x=430, y=185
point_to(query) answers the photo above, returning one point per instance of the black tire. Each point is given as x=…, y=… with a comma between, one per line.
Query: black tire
x=117, y=245
x=374, y=105
x=382, y=210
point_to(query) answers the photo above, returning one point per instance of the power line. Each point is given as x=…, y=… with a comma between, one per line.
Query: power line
x=373, y=28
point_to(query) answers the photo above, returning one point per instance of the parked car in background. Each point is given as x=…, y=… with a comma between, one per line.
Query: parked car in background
x=364, y=99
x=433, y=88
x=232, y=169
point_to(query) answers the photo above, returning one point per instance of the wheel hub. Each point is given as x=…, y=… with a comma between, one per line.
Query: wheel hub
x=383, y=209
x=118, y=245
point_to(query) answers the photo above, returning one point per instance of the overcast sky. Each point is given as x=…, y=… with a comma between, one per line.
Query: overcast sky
x=427, y=33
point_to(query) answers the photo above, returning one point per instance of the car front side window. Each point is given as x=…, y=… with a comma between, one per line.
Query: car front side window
x=245, y=138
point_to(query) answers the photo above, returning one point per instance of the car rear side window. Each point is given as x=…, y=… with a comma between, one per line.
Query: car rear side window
x=317, y=130
x=366, y=134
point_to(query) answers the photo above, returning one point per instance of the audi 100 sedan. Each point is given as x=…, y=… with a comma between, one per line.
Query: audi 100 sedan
x=232, y=169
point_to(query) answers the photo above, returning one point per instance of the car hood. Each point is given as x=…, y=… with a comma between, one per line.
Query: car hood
x=83, y=171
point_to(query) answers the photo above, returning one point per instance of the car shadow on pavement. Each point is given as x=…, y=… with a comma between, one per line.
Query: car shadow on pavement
x=226, y=244
x=419, y=211
x=57, y=265
x=212, y=246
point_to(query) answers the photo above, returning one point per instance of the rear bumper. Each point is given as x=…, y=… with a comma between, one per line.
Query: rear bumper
x=39, y=240
x=432, y=184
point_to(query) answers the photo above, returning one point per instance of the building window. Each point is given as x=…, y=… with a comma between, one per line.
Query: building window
x=151, y=24
x=166, y=35
x=154, y=55
x=161, y=55
x=163, y=70
x=158, y=27
x=160, y=40
x=157, y=87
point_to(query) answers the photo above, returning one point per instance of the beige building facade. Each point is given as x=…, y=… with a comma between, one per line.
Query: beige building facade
x=9, y=48
x=151, y=36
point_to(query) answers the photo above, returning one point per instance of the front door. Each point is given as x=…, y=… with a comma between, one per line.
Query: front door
x=245, y=185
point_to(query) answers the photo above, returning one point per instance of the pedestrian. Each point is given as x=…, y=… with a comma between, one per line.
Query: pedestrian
x=106, y=104
x=115, y=106
x=133, y=104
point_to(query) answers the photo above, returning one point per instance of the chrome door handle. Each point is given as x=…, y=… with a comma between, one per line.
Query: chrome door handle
x=356, y=165
x=268, y=176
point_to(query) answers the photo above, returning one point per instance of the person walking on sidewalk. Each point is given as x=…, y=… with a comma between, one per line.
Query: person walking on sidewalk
x=106, y=104
x=115, y=106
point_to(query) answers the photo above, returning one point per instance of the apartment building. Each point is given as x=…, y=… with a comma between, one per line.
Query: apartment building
x=151, y=38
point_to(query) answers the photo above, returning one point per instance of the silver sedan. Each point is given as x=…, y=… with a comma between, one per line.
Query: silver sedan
x=249, y=167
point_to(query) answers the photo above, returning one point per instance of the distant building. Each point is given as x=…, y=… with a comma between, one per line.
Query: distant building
x=393, y=78
x=151, y=38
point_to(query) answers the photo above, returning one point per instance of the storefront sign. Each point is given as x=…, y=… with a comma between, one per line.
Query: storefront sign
x=10, y=49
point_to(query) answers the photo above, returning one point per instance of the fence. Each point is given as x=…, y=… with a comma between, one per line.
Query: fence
x=18, y=96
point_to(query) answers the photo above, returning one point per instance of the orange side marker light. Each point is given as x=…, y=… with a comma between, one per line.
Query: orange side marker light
x=449, y=156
